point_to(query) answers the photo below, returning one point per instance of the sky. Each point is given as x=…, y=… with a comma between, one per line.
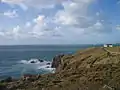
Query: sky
x=59, y=22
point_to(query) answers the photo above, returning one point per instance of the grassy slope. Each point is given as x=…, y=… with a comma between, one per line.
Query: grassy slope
x=90, y=69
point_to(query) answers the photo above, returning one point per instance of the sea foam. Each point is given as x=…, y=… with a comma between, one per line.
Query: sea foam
x=37, y=64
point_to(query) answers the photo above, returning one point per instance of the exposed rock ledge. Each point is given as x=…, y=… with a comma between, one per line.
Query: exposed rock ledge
x=89, y=69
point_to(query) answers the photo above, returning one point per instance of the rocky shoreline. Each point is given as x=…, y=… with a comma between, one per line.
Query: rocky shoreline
x=26, y=77
x=55, y=64
x=89, y=69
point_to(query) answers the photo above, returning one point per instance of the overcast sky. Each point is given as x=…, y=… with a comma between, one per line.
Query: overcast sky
x=59, y=21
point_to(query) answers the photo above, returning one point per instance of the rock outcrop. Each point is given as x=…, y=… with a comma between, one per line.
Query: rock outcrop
x=56, y=62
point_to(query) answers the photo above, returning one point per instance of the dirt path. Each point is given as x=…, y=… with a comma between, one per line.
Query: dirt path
x=113, y=53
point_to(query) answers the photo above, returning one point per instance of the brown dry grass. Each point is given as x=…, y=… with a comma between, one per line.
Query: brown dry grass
x=90, y=69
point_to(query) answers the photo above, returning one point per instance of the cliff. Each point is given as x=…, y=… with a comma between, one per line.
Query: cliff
x=89, y=69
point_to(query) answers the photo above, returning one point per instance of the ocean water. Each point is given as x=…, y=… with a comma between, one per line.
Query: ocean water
x=15, y=61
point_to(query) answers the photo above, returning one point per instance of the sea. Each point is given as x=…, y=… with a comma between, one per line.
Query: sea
x=17, y=60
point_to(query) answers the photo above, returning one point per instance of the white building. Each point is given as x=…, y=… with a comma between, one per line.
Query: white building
x=108, y=45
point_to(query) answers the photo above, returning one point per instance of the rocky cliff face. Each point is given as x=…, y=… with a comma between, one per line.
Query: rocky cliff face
x=56, y=62
x=90, y=69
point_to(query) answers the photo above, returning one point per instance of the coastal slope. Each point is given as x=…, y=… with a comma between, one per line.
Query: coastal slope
x=94, y=68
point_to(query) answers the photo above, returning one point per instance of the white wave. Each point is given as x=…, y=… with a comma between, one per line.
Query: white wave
x=47, y=67
x=24, y=62
x=37, y=64
x=35, y=61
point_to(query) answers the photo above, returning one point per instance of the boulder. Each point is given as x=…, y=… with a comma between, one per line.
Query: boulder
x=48, y=63
x=41, y=60
x=48, y=67
x=32, y=62
x=26, y=77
